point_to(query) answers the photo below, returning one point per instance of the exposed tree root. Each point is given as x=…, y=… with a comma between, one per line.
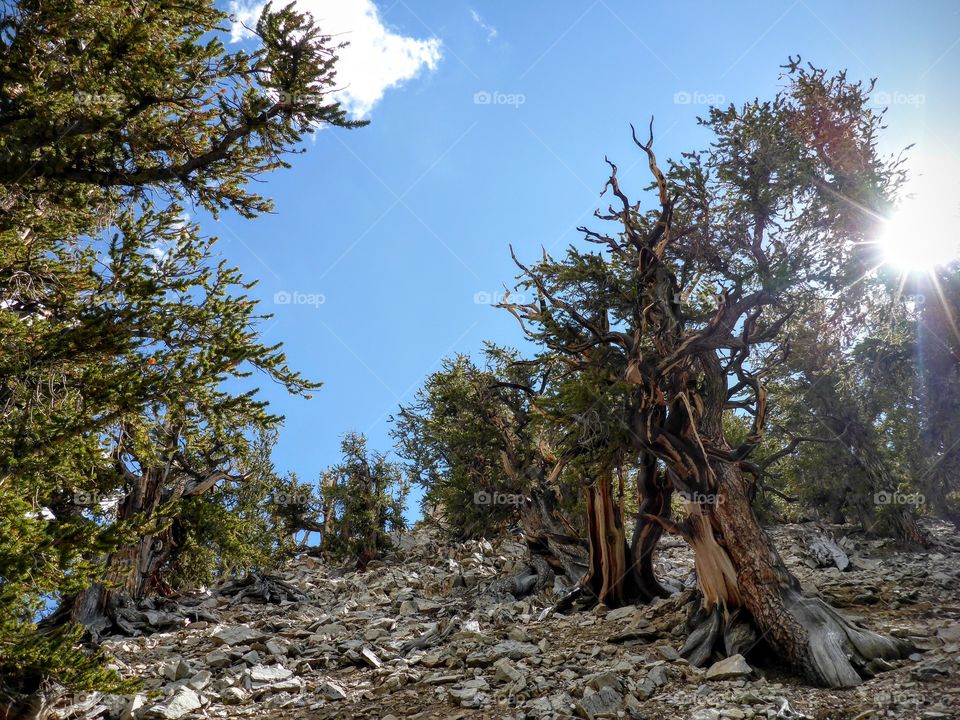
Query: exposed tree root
x=431, y=637
x=838, y=650
x=739, y=633
x=714, y=633
x=532, y=580
x=263, y=588
x=704, y=632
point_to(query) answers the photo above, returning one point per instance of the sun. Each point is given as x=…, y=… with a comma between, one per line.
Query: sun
x=923, y=235
x=922, y=239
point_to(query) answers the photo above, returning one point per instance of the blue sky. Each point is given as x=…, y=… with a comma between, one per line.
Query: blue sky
x=495, y=133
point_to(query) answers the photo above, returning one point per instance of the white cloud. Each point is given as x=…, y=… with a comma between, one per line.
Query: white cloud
x=490, y=29
x=375, y=60
x=161, y=249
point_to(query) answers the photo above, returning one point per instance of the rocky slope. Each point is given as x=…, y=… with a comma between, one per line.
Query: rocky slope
x=421, y=635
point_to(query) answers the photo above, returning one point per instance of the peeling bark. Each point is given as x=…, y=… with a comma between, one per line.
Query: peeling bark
x=608, y=577
x=817, y=640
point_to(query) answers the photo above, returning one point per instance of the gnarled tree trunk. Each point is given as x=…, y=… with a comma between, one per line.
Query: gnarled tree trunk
x=654, y=508
x=687, y=366
x=622, y=573
x=550, y=536
x=823, y=645
x=738, y=567
x=133, y=571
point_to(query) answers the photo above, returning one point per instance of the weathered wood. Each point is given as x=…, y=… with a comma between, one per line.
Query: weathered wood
x=821, y=644
x=655, y=493
x=431, y=637
x=262, y=588
x=549, y=537
x=703, y=633
x=533, y=579
x=132, y=571
x=825, y=551
x=607, y=579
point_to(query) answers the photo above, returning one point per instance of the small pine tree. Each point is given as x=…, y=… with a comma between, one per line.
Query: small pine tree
x=363, y=497
x=472, y=437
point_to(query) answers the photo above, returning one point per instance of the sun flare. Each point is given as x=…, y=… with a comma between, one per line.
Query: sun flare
x=924, y=234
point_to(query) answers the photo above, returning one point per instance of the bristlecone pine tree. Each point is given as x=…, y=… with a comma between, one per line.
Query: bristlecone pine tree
x=363, y=499
x=864, y=426
x=936, y=396
x=675, y=323
x=471, y=437
x=119, y=325
x=475, y=439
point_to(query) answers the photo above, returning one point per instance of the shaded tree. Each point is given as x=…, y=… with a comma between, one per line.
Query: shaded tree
x=936, y=360
x=680, y=317
x=363, y=498
x=477, y=440
x=852, y=397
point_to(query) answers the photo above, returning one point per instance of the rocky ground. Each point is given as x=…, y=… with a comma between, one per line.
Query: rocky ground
x=346, y=648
